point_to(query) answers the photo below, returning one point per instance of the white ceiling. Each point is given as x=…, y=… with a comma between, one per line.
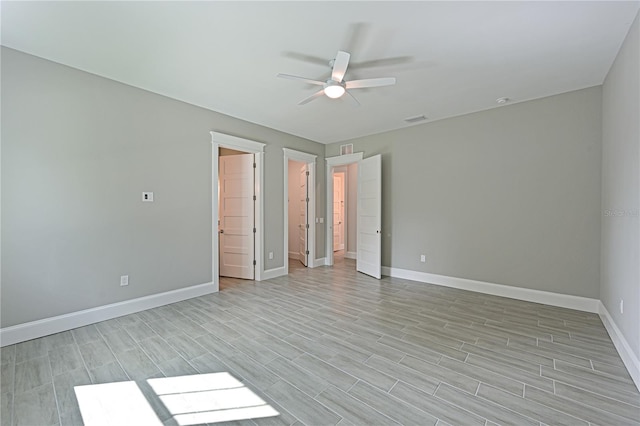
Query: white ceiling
x=449, y=58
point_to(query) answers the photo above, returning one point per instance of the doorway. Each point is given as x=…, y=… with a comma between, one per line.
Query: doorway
x=298, y=198
x=341, y=165
x=339, y=208
x=256, y=149
x=299, y=209
x=236, y=223
x=368, y=211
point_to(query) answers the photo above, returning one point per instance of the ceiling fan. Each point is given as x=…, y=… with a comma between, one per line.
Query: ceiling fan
x=336, y=86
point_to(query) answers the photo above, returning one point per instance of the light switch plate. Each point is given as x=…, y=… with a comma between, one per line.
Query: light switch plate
x=147, y=197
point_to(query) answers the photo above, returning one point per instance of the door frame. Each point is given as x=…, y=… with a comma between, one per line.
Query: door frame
x=222, y=140
x=310, y=161
x=340, y=160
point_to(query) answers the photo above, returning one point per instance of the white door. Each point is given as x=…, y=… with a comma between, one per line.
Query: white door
x=303, y=224
x=369, y=258
x=338, y=211
x=236, y=216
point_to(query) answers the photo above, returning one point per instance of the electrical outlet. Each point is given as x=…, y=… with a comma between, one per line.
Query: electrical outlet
x=270, y=255
x=147, y=197
x=124, y=280
x=621, y=306
x=423, y=258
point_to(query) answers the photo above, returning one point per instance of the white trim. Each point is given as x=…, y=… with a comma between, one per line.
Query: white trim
x=234, y=142
x=537, y=296
x=340, y=160
x=274, y=273
x=221, y=140
x=310, y=161
x=629, y=358
x=351, y=255
x=44, y=327
x=320, y=262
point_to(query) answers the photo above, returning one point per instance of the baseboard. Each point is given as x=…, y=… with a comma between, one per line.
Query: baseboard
x=44, y=327
x=629, y=358
x=537, y=296
x=318, y=262
x=273, y=273
x=351, y=255
x=294, y=255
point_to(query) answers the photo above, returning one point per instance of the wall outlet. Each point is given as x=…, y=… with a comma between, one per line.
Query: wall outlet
x=270, y=255
x=423, y=258
x=621, y=306
x=147, y=197
x=124, y=280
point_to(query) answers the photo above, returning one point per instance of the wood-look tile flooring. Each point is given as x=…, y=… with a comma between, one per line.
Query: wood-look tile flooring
x=330, y=346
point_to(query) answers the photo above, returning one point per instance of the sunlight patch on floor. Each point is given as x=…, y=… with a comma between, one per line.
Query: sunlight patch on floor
x=195, y=399
x=209, y=398
x=118, y=403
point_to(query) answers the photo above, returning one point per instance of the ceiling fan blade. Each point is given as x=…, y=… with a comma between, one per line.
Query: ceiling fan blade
x=340, y=65
x=353, y=99
x=374, y=63
x=312, y=97
x=371, y=82
x=306, y=80
x=306, y=58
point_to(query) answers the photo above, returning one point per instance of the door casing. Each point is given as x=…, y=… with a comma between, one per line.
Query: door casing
x=221, y=140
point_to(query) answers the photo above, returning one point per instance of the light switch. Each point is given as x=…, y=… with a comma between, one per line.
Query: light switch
x=147, y=197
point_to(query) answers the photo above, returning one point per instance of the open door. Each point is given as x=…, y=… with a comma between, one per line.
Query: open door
x=369, y=258
x=236, y=227
x=304, y=209
x=338, y=211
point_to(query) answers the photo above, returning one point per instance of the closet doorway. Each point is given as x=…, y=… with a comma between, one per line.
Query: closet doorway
x=256, y=150
x=299, y=208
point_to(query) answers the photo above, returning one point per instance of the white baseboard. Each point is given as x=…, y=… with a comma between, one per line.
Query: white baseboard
x=318, y=262
x=294, y=255
x=351, y=255
x=629, y=358
x=273, y=273
x=546, y=297
x=44, y=327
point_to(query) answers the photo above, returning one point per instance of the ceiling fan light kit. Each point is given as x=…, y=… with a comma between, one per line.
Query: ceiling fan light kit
x=335, y=87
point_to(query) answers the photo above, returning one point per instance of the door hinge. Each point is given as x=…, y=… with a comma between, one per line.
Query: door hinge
x=307, y=225
x=307, y=172
x=254, y=165
x=254, y=263
x=254, y=230
x=306, y=252
x=307, y=200
x=254, y=198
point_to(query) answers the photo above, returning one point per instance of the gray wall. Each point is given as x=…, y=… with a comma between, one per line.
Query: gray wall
x=509, y=196
x=77, y=151
x=621, y=190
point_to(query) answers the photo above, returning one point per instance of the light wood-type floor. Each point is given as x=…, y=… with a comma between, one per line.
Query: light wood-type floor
x=329, y=346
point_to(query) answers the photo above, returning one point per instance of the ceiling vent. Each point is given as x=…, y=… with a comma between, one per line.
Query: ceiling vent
x=415, y=119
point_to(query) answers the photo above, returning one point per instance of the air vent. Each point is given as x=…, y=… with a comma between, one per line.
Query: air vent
x=346, y=149
x=415, y=119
